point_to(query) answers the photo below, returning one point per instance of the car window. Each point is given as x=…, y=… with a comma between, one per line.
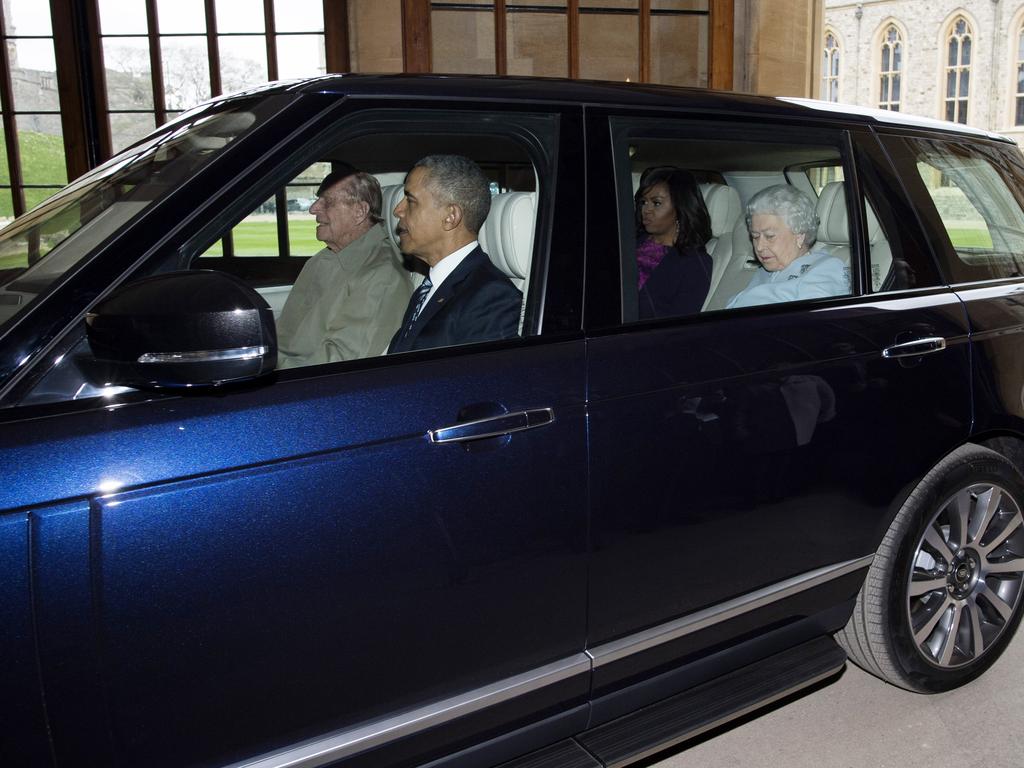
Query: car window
x=687, y=245
x=327, y=310
x=49, y=241
x=969, y=194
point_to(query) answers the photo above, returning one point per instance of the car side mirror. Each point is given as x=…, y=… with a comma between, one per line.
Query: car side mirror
x=183, y=329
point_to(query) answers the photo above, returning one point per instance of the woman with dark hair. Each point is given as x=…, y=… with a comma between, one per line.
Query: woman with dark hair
x=673, y=266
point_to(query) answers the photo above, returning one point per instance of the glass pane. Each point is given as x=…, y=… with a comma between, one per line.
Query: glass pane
x=129, y=82
x=240, y=16
x=186, y=71
x=632, y=5
x=34, y=79
x=608, y=47
x=123, y=17
x=679, y=50
x=375, y=36
x=885, y=58
x=950, y=110
x=35, y=196
x=300, y=56
x=27, y=17
x=961, y=115
x=885, y=89
x=181, y=16
x=1020, y=78
x=6, y=206
x=301, y=225
x=897, y=56
x=15, y=260
x=1018, y=121
x=950, y=83
x=126, y=129
x=835, y=64
x=965, y=52
x=537, y=44
x=463, y=41
x=256, y=234
x=954, y=49
x=549, y=3
x=243, y=62
x=299, y=15
x=41, y=144
x=1020, y=46
x=675, y=5
x=965, y=79
x=896, y=88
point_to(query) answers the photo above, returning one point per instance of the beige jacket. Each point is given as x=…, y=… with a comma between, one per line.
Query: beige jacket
x=345, y=305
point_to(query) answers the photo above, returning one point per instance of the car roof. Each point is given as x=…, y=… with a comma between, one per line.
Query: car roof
x=599, y=93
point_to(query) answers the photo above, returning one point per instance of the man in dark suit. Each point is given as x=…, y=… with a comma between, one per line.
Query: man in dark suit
x=465, y=298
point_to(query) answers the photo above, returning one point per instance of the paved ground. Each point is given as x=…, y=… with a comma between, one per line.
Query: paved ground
x=860, y=722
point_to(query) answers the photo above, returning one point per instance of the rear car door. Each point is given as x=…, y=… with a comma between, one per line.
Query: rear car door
x=295, y=570
x=747, y=459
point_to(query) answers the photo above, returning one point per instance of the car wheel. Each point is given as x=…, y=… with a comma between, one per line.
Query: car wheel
x=942, y=597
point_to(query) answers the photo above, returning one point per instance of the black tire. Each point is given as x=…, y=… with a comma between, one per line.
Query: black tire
x=943, y=596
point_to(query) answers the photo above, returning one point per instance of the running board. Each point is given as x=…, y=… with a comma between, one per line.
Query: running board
x=686, y=715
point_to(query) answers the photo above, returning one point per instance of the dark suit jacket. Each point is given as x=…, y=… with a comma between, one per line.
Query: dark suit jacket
x=476, y=302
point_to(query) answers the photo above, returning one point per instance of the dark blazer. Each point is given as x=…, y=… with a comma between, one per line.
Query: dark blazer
x=476, y=302
x=678, y=285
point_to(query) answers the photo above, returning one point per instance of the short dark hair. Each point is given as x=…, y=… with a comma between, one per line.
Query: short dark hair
x=691, y=212
x=364, y=187
x=457, y=180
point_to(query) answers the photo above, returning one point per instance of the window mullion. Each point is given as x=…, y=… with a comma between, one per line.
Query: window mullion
x=213, y=48
x=156, y=63
x=271, y=27
x=10, y=124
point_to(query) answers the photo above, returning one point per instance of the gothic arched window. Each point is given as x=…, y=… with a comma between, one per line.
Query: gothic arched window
x=1019, y=117
x=891, y=69
x=958, y=70
x=830, y=69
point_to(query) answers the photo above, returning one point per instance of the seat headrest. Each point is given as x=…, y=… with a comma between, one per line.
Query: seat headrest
x=833, y=225
x=507, y=234
x=723, y=204
x=391, y=196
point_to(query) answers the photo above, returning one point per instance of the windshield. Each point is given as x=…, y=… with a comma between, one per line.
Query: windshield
x=42, y=245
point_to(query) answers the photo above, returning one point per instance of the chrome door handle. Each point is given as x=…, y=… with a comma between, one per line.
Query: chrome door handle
x=915, y=348
x=494, y=426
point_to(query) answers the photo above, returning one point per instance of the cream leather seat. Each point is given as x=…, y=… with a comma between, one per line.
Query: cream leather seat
x=723, y=204
x=507, y=237
x=834, y=233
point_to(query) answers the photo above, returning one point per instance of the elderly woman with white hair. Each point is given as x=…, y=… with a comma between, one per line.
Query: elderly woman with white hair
x=783, y=226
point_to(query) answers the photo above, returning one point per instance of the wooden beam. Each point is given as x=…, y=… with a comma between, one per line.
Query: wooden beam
x=213, y=48
x=645, y=41
x=156, y=65
x=500, y=38
x=572, y=15
x=416, y=36
x=271, y=33
x=10, y=125
x=720, y=56
x=336, y=36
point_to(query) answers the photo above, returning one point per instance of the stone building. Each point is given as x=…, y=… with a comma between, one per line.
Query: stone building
x=959, y=60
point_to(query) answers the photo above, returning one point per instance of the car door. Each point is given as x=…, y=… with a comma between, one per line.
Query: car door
x=378, y=561
x=747, y=461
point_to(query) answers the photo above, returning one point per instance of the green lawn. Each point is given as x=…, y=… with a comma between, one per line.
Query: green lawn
x=970, y=238
x=42, y=162
x=259, y=238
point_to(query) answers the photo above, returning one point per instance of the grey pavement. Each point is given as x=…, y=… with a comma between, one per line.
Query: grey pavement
x=859, y=722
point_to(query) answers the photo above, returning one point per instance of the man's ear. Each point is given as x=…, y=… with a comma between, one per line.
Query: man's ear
x=362, y=211
x=452, y=217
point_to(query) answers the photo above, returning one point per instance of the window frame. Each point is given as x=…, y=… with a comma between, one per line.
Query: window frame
x=960, y=104
x=623, y=128
x=892, y=78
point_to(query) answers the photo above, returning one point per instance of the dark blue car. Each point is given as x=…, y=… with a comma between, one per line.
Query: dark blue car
x=568, y=548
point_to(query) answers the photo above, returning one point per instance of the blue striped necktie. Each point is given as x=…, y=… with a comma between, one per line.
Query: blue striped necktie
x=419, y=297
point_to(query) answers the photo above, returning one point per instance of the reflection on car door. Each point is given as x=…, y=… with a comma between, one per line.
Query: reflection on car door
x=742, y=451
x=272, y=565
